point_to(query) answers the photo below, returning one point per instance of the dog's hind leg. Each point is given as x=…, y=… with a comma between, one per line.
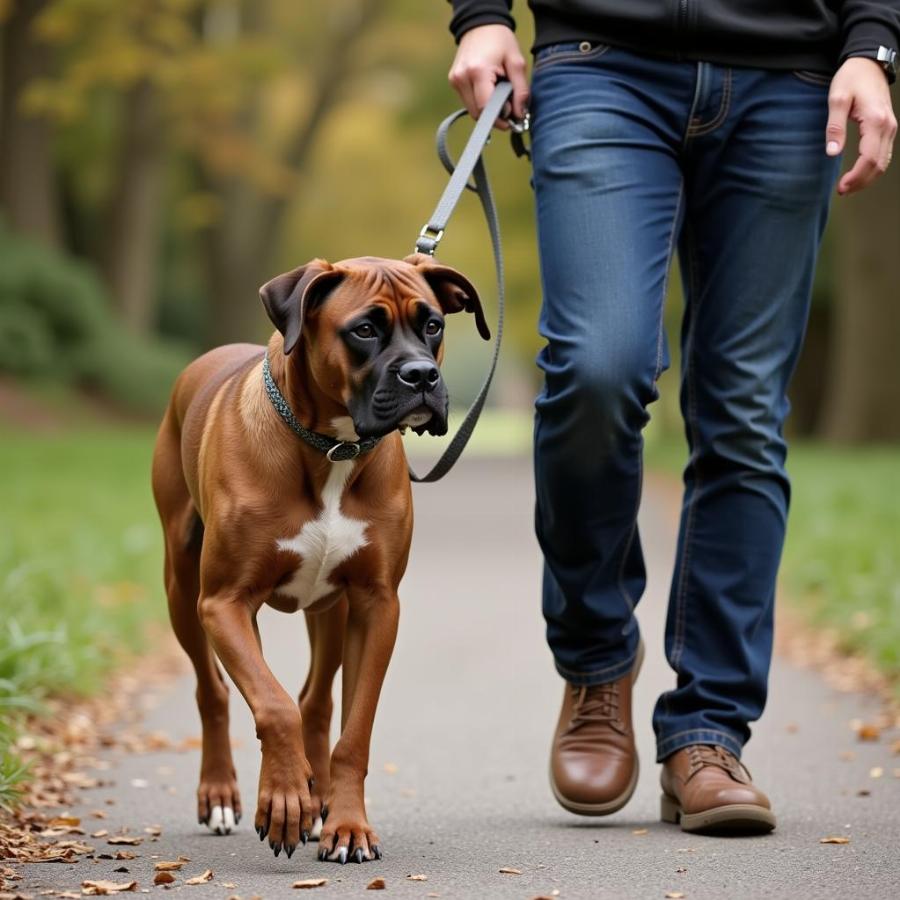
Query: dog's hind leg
x=218, y=800
x=326, y=642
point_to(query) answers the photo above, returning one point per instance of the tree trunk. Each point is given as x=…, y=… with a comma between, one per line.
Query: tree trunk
x=28, y=187
x=863, y=397
x=239, y=246
x=130, y=257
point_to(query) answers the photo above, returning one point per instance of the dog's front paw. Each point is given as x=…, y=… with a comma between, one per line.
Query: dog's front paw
x=347, y=836
x=218, y=799
x=284, y=811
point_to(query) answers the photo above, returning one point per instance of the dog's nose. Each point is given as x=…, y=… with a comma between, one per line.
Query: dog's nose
x=420, y=375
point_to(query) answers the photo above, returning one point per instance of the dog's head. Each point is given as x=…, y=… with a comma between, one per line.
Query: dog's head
x=371, y=331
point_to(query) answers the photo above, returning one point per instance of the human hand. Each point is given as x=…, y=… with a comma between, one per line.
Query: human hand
x=485, y=55
x=859, y=91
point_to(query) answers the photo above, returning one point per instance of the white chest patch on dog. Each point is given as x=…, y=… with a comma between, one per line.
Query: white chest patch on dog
x=324, y=542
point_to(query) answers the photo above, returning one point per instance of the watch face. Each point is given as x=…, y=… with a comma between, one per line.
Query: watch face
x=887, y=56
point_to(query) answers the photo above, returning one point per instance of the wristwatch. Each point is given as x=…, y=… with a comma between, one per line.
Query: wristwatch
x=886, y=57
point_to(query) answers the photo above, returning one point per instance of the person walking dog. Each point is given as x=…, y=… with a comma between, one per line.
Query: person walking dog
x=715, y=128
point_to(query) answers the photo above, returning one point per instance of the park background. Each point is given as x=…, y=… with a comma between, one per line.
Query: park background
x=160, y=159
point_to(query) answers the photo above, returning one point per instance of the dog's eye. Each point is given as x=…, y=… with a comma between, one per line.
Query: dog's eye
x=364, y=331
x=433, y=327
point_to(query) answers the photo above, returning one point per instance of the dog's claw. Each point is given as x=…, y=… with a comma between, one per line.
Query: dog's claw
x=304, y=838
x=323, y=854
x=342, y=856
x=359, y=855
x=324, y=814
x=377, y=851
x=275, y=846
x=289, y=850
x=261, y=831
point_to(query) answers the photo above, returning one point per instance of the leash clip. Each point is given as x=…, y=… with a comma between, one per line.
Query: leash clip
x=520, y=126
x=428, y=240
x=356, y=451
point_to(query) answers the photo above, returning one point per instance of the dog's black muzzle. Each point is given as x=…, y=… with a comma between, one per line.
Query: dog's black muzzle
x=410, y=394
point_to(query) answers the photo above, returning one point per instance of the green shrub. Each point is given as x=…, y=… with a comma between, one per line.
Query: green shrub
x=56, y=322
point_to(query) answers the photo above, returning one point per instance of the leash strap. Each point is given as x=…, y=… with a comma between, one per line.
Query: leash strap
x=470, y=164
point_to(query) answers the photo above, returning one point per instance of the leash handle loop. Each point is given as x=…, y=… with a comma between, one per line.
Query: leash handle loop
x=470, y=164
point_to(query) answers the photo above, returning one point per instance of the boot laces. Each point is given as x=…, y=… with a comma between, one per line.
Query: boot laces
x=702, y=755
x=595, y=704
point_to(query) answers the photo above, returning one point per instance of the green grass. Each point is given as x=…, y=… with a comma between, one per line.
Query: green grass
x=841, y=565
x=842, y=557
x=79, y=567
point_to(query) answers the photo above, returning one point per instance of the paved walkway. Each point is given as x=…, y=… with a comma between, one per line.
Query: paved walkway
x=458, y=785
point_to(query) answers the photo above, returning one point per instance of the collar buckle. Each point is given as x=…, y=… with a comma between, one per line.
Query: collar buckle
x=349, y=445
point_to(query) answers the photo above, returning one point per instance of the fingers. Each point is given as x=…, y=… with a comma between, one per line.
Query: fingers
x=486, y=54
x=839, y=103
x=877, y=132
x=515, y=71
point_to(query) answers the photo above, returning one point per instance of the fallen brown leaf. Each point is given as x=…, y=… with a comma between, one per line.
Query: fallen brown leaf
x=641, y=831
x=228, y=884
x=868, y=731
x=835, y=839
x=131, y=840
x=63, y=821
x=124, y=854
x=102, y=888
x=674, y=895
x=154, y=830
x=876, y=772
x=417, y=877
x=202, y=878
x=508, y=870
x=163, y=877
x=376, y=884
x=103, y=832
x=306, y=883
x=169, y=865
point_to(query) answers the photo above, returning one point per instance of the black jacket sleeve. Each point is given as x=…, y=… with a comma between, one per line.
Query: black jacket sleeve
x=468, y=14
x=868, y=24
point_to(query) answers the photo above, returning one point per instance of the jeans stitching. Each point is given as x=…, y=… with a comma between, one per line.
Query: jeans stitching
x=595, y=672
x=721, y=115
x=729, y=739
x=570, y=55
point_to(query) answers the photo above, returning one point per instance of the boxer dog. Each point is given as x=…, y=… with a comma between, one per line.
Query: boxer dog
x=280, y=478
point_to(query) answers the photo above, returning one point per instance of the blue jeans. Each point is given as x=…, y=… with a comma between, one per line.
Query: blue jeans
x=634, y=156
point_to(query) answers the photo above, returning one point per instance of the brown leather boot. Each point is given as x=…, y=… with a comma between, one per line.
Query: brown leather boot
x=707, y=789
x=593, y=761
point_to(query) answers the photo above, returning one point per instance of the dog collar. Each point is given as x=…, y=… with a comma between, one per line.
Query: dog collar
x=335, y=450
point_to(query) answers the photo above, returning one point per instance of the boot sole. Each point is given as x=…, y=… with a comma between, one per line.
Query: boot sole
x=608, y=807
x=736, y=818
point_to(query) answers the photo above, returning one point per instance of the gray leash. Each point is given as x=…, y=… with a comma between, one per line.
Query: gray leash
x=469, y=164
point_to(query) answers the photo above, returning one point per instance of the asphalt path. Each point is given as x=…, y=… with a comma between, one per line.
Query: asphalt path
x=458, y=786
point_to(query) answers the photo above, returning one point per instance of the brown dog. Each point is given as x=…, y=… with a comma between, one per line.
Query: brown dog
x=318, y=520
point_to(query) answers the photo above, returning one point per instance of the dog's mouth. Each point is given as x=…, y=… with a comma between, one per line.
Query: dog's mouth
x=385, y=413
x=417, y=418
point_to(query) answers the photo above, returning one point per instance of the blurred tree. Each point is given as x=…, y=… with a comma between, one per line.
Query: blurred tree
x=28, y=183
x=863, y=374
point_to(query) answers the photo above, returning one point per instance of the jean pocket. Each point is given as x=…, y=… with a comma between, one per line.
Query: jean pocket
x=571, y=51
x=820, y=79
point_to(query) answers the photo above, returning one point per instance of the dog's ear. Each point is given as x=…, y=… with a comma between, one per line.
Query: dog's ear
x=454, y=291
x=288, y=297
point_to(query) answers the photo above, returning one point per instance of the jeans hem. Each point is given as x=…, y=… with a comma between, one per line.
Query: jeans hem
x=597, y=676
x=666, y=746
